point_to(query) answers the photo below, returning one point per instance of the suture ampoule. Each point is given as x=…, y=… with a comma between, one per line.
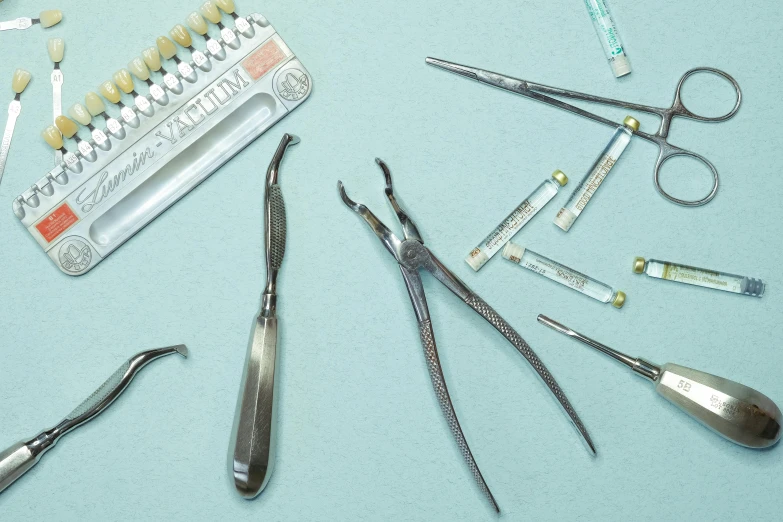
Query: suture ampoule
x=553, y=270
x=691, y=275
x=598, y=172
x=516, y=220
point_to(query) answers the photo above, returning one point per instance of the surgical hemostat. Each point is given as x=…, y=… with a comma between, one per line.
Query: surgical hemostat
x=412, y=255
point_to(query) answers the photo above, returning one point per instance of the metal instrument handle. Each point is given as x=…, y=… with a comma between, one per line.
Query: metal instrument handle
x=15, y=462
x=730, y=409
x=500, y=324
x=253, y=439
x=667, y=152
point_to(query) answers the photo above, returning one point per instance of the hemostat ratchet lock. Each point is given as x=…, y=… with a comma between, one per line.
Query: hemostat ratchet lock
x=412, y=256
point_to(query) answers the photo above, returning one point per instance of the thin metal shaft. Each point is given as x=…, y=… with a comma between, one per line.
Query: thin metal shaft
x=611, y=352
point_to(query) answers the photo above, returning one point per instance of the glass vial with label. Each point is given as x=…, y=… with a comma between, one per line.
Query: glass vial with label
x=691, y=275
x=606, y=30
x=598, y=172
x=553, y=270
x=515, y=221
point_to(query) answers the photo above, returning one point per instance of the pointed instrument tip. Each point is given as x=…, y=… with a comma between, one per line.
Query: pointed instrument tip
x=182, y=350
x=462, y=70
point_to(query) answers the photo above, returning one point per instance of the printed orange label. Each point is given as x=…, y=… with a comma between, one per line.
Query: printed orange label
x=263, y=60
x=57, y=222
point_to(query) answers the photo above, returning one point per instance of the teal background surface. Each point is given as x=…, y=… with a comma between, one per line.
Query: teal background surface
x=361, y=436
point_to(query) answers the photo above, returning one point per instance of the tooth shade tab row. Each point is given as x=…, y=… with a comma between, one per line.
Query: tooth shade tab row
x=50, y=18
x=56, y=49
x=139, y=69
x=210, y=11
x=151, y=57
x=181, y=35
x=166, y=47
x=20, y=80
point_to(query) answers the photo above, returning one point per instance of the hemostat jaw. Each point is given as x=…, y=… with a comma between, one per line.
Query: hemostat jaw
x=408, y=227
x=389, y=240
x=462, y=70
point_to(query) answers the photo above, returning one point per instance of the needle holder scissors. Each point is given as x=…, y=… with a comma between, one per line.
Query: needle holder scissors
x=666, y=151
x=412, y=256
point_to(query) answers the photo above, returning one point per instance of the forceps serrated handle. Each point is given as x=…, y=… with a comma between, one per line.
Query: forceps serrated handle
x=500, y=324
x=447, y=407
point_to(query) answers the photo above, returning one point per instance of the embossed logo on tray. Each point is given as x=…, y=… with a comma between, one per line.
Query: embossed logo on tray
x=293, y=85
x=75, y=256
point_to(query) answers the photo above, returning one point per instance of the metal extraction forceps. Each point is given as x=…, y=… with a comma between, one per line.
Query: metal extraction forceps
x=19, y=458
x=412, y=256
x=666, y=150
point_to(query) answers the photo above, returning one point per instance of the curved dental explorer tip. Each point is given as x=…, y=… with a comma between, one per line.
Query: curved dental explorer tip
x=462, y=70
x=274, y=166
x=389, y=240
x=19, y=458
x=356, y=207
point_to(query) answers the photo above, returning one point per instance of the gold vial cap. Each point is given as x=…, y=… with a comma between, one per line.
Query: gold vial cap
x=560, y=177
x=619, y=299
x=638, y=265
x=631, y=122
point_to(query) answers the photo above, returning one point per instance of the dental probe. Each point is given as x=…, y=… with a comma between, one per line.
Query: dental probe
x=730, y=409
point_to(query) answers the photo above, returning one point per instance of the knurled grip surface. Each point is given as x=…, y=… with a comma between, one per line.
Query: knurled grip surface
x=446, y=406
x=277, y=226
x=488, y=313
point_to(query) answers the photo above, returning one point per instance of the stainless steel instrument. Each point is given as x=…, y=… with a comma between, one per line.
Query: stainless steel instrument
x=413, y=256
x=166, y=142
x=19, y=458
x=252, y=450
x=730, y=409
x=666, y=150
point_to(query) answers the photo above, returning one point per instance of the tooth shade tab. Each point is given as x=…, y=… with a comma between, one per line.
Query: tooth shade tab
x=109, y=91
x=80, y=113
x=50, y=18
x=151, y=57
x=53, y=137
x=20, y=81
x=197, y=23
x=181, y=35
x=56, y=48
x=124, y=81
x=211, y=12
x=226, y=5
x=166, y=47
x=139, y=69
x=66, y=126
x=94, y=104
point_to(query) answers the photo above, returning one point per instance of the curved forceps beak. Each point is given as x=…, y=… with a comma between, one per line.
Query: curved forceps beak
x=387, y=237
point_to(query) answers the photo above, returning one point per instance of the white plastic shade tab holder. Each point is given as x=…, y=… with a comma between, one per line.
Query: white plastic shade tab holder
x=703, y=277
x=81, y=215
x=520, y=217
x=607, y=32
x=564, y=275
x=584, y=192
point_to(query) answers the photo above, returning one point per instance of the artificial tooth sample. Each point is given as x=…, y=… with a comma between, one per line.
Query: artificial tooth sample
x=109, y=91
x=53, y=137
x=50, y=18
x=69, y=129
x=210, y=11
x=242, y=24
x=142, y=72
x=181, y=35
x=151, y=57
x=20, y=80
x=124, y=81
x=80, y=113
x=96, y=107
x=197, y=23
x=56, y=48
x=169, y=51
